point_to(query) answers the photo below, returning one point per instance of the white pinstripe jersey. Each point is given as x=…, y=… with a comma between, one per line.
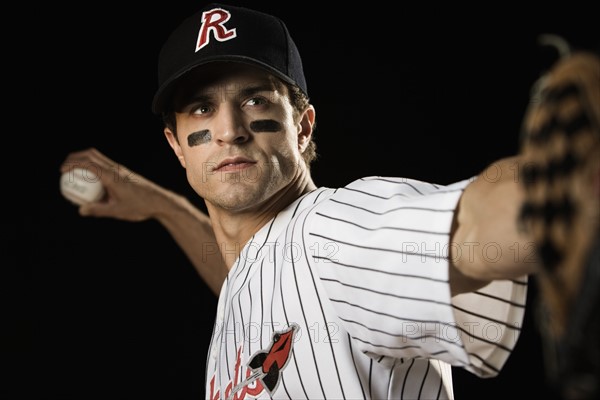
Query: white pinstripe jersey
x=361, y=274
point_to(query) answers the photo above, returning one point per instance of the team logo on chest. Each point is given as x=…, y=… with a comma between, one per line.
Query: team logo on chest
x=213, y=24
x=266, y=365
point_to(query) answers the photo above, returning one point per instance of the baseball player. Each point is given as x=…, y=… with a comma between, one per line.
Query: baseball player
x=335, y=293
x=372, y=290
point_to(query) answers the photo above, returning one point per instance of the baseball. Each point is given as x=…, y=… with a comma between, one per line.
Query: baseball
x=81, y=186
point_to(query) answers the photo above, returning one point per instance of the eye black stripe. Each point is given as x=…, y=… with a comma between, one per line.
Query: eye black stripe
x=199, y=137
x=265, y=125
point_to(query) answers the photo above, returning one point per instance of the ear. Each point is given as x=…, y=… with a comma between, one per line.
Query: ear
x=174, y=143
x=305, y=127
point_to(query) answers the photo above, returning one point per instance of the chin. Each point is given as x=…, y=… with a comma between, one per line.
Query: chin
x=239, y=197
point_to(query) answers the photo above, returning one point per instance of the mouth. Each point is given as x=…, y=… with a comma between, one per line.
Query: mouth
x=234, y=164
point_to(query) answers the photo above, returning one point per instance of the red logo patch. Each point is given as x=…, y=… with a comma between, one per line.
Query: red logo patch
x=265, y=366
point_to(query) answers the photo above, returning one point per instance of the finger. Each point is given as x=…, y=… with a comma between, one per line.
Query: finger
x=78, y=159
x=92, y=160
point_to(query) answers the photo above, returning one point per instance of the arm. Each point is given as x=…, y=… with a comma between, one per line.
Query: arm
x=388, y=278
x=487, y=214
x=131, y=197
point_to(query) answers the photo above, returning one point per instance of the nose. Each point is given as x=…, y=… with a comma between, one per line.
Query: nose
x=229, y=127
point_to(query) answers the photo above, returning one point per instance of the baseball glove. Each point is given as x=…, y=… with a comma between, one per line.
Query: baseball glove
x=561, y=176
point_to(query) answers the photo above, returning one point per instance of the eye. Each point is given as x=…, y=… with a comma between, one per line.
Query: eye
x=255, y=101
x=201, y=109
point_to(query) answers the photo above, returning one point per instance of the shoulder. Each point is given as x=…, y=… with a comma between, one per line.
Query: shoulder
x=381, y=197
x=375, y=192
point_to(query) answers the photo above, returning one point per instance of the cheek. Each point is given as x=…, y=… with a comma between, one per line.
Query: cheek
x=197, y=167
x=277, y=142
x=286, y=153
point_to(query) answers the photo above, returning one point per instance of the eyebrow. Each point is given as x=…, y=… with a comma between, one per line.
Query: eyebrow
x=208, y=95
x=250, y=90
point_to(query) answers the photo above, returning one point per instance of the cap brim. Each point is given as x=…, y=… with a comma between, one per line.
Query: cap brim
x=165, y=91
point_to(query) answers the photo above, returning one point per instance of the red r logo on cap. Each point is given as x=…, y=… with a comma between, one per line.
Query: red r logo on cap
x=212, y=21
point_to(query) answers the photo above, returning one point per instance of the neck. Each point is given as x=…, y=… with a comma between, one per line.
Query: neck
x=233, y=229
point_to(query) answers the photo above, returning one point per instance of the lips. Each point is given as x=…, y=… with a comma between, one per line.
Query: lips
x=234, y=164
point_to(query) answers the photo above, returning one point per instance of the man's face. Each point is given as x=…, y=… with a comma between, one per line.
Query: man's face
x=237, y=136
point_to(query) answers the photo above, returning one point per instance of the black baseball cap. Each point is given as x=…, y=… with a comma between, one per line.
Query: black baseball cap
x=220, y=32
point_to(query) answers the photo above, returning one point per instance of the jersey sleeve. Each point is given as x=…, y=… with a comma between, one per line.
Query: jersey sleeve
x=380, y=246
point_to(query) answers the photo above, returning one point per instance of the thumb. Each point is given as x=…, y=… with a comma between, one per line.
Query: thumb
x=95, y=209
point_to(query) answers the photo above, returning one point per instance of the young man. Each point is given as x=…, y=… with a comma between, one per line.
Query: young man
x=331, y=293
x=372, y=290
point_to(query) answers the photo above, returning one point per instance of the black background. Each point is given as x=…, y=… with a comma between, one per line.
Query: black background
x=99, y=308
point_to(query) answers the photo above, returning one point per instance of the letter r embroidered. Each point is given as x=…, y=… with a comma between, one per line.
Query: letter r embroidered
x=213, y=21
